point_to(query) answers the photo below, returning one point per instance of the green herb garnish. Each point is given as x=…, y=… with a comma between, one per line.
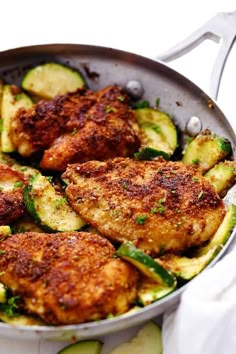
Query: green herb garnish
x=11, y=306
x=109, y=109
x=120, y=98
x=142, y=104
x=195, y=161
x=200, y=195
x=18, y=184
x=74, y=131
x=158, y=100
x=141, y=219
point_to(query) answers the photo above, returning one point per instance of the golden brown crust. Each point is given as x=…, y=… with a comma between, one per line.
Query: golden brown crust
x=67, y=278
x=11, y=195
x=158, y=205
x=78, y=127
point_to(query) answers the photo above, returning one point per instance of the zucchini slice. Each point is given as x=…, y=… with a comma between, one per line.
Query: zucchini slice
x=5, y=231
x=222, y=234
x=149, y=291
x=186, y=268
x=83, y=347
x=148, y=340
x=148, y=153
x=3, y=294
x=52, y=79
x=145, y=264
x=222, y=176
x=12, y=100
x=206, y=150
x=21, y=320
x=157, y=130
x=49, y=208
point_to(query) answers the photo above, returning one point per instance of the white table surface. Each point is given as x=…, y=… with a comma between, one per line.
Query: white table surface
x=145, y=27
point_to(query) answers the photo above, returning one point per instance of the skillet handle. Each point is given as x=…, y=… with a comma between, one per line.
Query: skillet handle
x=220, y=29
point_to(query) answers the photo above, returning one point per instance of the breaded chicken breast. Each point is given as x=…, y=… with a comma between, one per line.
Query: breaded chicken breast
x=77, y=127
x=11, y=195
x=67, y=278
x=159, y=205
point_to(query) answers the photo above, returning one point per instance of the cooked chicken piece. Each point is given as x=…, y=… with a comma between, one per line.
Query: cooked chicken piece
x=35, y=129
x=159, y=205
x=78, y=127
x=67, y=278
x=11, y=195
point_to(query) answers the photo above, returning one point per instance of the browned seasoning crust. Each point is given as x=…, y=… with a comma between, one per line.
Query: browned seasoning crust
x=159, y=205
x=78, y=127
x=67, y=278
x=11, y=195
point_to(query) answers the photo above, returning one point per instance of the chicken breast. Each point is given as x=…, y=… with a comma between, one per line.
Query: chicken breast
x=78, y=127
x=67, y=278
x=159, y=205
x=11, y=195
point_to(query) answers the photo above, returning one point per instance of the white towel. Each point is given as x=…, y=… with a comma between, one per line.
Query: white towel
x=205, y=320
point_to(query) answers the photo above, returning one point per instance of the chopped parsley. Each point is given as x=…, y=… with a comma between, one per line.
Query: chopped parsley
x=11, y=306
x=23, y=168
x=195, y=161
x=49, y=178
x=195, y=179
x=200, y=195
x=141, y=219
x=74, y=131
x=2, y=252
x=109, y=109
x=156, y=128
x=120, y=98
x=1, y=124
x=142, y=104
x=59, y=202
x=124, y=185
x=158, y=100
x=161, y=208
x=18, y=96
x=18, y=184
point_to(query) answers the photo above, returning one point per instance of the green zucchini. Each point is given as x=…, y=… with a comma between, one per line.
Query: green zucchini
x=149, y=291
x=148, y=153
x=222, y=234
x=148, y=340
x=186, y=268
x=12, y=100
x=52, y=79
x=5, y=231
x=3, y=294
x=83, y=347
x=157, y=130
x=145, y=264
x=222, y=176
x=21, y=320
x=48, y=207
x=206, y=150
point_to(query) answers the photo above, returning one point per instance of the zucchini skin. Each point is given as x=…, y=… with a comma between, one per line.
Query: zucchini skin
x=206, y=150
x=222, y=176
x=83, y=347
x=51, y=79
x=48, y=208
x=145, y=264
x=11, y=103
x=157, y=130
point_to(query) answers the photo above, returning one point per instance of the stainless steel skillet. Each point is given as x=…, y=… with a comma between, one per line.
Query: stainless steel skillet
x=181, y=98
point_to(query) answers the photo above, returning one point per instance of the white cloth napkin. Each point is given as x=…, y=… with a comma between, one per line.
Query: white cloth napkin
x=205, y=320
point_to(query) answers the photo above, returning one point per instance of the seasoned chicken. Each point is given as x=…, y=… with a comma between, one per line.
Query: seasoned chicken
x=67, y=278
x=11, y=195
x=159, y=205
x=77, y=127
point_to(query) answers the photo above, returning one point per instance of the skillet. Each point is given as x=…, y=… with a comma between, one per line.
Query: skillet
x=180, y=97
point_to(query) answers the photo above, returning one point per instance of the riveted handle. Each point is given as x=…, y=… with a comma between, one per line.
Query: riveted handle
x=220, y=29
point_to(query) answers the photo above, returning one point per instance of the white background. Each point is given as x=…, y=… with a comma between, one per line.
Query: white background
x=145, y=27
